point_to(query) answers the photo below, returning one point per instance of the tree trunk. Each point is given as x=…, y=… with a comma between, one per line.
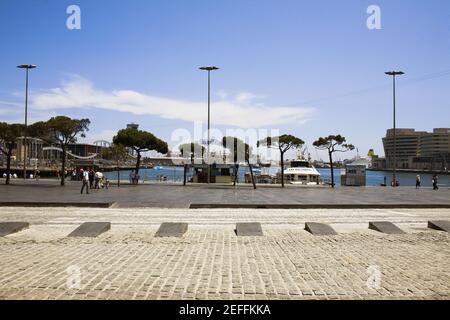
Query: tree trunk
x=63, y=165
x=184, y=174
x=8, y=165
x=236, y=172
x=251, y=174
x=330, y=154
x=138, y=162
x=282, y=169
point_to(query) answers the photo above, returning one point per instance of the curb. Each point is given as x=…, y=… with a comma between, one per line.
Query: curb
x=316, y=206
x=59, y=204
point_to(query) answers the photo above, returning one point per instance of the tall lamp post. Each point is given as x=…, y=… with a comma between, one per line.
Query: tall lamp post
x=26, y=67
x=394, y=171
x=209, y=69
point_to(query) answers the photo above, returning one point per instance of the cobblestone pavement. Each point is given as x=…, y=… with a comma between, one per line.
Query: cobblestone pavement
x=211, y=262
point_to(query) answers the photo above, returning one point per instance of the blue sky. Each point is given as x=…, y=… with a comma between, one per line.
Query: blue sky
x=308, y=68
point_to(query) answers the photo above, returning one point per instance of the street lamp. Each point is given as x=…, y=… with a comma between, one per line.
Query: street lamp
x=394, y=173
x=209, y=69
x=26, y=67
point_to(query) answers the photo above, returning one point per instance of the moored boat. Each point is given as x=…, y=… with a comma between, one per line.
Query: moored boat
x=301, y=172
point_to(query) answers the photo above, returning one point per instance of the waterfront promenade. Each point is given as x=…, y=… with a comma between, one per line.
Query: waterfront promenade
x=164, y=195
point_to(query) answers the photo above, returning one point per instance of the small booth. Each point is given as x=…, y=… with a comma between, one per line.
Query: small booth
x=220, y=173
x=354, y=175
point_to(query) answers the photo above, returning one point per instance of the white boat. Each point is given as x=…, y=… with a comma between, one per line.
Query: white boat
x=302, y=172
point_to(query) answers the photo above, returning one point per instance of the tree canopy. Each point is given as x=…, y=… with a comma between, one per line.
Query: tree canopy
x=140, y=141
x=283, y=143
x=60, y=130
x=192, y=149
x=239, y=151
x=115, y=152
x=9, y=133
x=333, y=143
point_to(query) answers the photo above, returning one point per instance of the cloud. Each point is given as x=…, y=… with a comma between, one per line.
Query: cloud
x=239, y=112
x=13, y=112
x=247, y=97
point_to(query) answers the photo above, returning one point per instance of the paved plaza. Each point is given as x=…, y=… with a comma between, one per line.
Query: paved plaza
x=211, y=262
x=177, y=196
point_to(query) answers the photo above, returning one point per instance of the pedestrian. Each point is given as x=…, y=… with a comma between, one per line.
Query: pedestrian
x=91, y=178
x=98, y=179
x=435, y=182
x=418, y=181
x=85, y=180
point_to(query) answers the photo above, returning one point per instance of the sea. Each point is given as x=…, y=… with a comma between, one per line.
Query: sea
x=373, y=178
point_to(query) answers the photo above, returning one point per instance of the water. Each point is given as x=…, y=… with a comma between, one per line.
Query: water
x=373, y=178
x=376, y=178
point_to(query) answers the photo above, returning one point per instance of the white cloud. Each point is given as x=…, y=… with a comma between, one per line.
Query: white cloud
x=13, y=112
x=240, y=112
x=247, y=97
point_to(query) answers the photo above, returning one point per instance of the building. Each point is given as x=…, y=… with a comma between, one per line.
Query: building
x=418, y=150
x=407, y=146
x=378, y=163
x=434, y=151
x=33, y=150
x=436, y=143
x=354, y=175
x=133, y=126
x=84, y=149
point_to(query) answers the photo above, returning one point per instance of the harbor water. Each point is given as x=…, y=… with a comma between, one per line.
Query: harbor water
x=373, y=178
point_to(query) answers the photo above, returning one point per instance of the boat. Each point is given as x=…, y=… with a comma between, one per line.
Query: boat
x=256, y=169
x=301, y=172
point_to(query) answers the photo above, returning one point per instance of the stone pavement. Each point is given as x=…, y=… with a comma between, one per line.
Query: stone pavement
x=211, y=262
x=176, y=196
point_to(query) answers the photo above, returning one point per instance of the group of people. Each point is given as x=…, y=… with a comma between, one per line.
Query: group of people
x=92, y=180
x=434, y=181
x=134, y=177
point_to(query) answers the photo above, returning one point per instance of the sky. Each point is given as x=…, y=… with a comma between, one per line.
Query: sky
x=306, y=68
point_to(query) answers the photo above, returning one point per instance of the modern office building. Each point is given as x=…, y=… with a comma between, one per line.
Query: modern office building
x=418, y=149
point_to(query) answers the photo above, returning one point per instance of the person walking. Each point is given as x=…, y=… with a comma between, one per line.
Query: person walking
x=418, y=181
x=435, y=182
x=85, y=180
x=91, y=178
x=80, y=175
